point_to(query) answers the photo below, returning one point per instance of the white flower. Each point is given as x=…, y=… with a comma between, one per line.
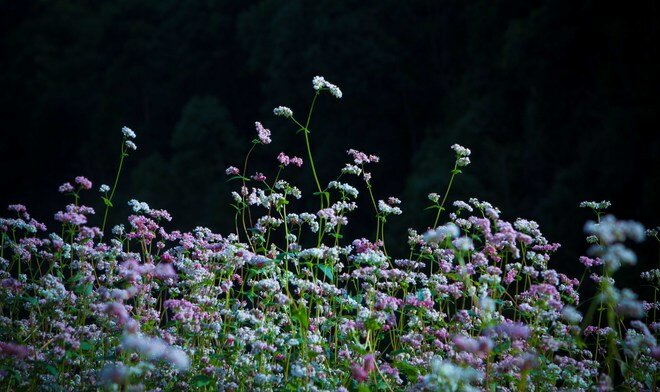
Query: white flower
x=450, y=230
x=387, y=209
x=596, y=205
x=104, y=188
x=319, y=83
x=283, y=111
x=128, y=132
x=571, y=315
x=464, y=161
x=461, y=151
x=138, y=206
x=130, y=145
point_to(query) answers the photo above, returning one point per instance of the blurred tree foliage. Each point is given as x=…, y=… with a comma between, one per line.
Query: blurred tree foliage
x=557, y=99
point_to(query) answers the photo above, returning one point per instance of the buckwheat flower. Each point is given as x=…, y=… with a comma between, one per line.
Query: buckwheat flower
x=232, y=170
x=258, y=176
x=297, y=161
x=118, y=230
x=13, y=350
x=387, y=209
x=104, y=188
x=439, y=234
x=603, y=205
x=462, y=205
x=358, y=373
x=128, y=132
x=351, y=169
x=461, y=151
x=283, y=159
x=610, y=230
x=320, y=83
x=571, y=315
x=65, y=188
x=178, y=358
x=359, y=157
x=463, y=243
x=629, y=306
x=263, y=133
x=84, y=182
x=130, y=145
x=114, y=373
x=138, y=206
x=434, y=197
x=283, y=111
x=463, y=161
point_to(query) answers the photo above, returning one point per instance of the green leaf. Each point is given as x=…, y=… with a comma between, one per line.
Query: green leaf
x=302, y=318
x=84, y=289
x=363, y=387
x=86, y=346
x=32, y=300
x=51, y=369
x=75, y=278
x=327, y=270
x=502, y=347
x=106, y=201
x=232, y=178
x=326, y=194
x=201, y=380
x=408, y=369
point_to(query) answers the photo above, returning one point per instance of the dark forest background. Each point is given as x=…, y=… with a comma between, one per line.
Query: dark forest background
x=558, y=100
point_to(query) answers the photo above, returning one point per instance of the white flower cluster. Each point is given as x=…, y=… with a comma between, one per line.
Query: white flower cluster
x=439, y=234
x=128, y=132
x=283, y=111
x=345, y=188
x=139, y=206
x=462, y=155
x=319, y=83
x=388, y=209
x=610, y=230
x=156, y=349
x=351, y=169
x=594, y=205
x=104, y=188
x=445, y=376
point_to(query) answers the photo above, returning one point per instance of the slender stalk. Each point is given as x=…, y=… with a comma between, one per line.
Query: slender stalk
x=444, y=199
x=114, y=186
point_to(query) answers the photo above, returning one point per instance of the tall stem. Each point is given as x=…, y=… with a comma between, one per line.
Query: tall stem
x=444, y=199
x=114, y=186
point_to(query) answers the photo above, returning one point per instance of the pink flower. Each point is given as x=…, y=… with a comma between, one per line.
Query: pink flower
x=258, y=176
x=297, y=161
x=13, y=350
x=263, y=133
x=283, y=159
x=65, y=188
x=231, y=170
x=358, y=373
x=369, y=363
x=84, y=182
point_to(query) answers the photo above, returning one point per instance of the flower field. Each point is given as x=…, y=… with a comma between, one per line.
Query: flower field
x=286, y=302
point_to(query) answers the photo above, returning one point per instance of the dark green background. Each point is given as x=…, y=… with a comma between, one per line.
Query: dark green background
x=558, y=100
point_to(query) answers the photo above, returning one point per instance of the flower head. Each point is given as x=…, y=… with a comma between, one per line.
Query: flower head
x=130, y=145
x=128, y=132
x=263, y=133
x=320, y=83
x=283, y=111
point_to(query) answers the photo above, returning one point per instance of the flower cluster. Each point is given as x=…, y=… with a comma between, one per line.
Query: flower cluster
x=286, y=302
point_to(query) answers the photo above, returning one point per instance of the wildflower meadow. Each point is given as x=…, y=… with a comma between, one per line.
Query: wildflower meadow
x=286, y=302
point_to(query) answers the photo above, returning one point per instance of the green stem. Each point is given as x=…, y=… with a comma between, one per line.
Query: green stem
x=114, y=186
x=444, y=199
